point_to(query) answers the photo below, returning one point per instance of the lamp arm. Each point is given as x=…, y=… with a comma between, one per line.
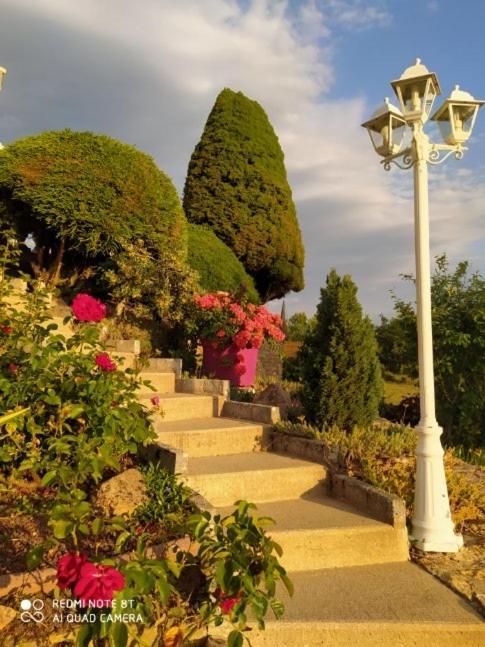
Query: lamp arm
x=435, y=154
x=407, y=160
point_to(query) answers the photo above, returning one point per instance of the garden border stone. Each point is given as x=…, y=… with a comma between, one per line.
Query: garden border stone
x=203, y=385
x=380, y=505
x=262, y=413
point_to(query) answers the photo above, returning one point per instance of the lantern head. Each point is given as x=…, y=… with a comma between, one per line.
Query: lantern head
x=386, y=129
x=456, y=117
x=416, y=90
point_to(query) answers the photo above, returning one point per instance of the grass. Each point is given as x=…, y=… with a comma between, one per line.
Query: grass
x=394, y=392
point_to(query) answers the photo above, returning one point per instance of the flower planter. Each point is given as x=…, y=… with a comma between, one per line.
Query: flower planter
x=227, y=364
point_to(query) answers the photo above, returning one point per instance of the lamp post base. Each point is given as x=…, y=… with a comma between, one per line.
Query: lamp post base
x=432, y=526
x=450, y=545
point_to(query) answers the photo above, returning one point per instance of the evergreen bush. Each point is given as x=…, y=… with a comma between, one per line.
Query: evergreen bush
x=342, y=382
x=82, y=197
x=237, y=184
x=218, y=267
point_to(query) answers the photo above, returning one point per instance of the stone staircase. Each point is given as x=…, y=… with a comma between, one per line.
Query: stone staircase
x=354, y=585
x=353, y=582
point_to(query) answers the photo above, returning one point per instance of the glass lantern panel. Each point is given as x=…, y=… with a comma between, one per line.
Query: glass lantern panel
x=377, y=138
x=445, y=129
x=412, y=98
x=430, y=97
x=462, y=122
x=397, y=126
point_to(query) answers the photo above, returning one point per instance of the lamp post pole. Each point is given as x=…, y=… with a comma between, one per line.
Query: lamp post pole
x=432, y=527
x=416, y=89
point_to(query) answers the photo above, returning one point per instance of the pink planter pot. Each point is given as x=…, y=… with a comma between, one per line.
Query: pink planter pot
x=222, y=364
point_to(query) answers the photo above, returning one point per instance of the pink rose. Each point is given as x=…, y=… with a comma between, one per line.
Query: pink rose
x=97, y=584
x=87, y=308
x=104, y=361
x=155, y=400
x=68, y=569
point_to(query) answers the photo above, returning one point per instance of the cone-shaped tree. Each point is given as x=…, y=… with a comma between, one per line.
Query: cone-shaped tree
x=217, y=265
x=341, y=371
x=237, y=184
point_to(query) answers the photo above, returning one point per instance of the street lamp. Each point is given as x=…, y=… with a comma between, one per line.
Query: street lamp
x=416, y=90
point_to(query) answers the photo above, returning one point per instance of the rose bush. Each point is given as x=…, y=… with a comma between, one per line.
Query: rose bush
x=72, y=419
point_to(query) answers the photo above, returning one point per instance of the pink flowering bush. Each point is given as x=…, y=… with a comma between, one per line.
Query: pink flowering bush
x=224, y=321
x=87, y=308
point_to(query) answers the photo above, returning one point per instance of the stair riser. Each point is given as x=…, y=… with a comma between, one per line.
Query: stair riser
x=162, y=382
x=346, y=634
x=258, y=486
x=188, y=409
x=305, y=550
x=214, y=442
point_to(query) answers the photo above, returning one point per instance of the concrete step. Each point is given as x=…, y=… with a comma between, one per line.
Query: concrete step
x=255, y=476
x=211, y=436
x=162, y=383
x=184, y=406
x=124, y=359
x=371, y=606
x=321, y=532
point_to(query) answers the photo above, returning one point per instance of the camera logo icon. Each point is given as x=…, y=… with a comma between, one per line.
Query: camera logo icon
x=32, y=610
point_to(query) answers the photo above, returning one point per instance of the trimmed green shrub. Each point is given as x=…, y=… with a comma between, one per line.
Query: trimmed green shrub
x=217, y=265
x=82, y=197
x=237, y=184
x=342, y=382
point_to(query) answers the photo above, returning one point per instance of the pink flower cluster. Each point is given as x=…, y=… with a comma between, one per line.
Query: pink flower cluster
x=87, y=308
x=226, y=321
x=91, y=583
x=105, y=363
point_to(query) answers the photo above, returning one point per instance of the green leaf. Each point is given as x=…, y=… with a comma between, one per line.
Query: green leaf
x=49, y=477
x=121, y=540
x=61, y=528
x=118, y=635
x=34, y=557
x=84, y=635
x=235, y=639
x=164, y=589
x=288, y=584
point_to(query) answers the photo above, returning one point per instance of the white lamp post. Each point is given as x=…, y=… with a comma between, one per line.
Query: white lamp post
x=3, y=71
x=432, y=527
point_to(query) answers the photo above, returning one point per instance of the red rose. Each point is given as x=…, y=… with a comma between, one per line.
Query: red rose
x=13, y=368
x=87, y=308
x=104, y=361
x=97, y=584
x=68, y=569
x=227, y=602
x=220, y=333
x=7, y=330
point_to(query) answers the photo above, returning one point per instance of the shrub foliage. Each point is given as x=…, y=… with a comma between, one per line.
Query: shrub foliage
x=218, y=267
x=340, y=368
x=237, y=184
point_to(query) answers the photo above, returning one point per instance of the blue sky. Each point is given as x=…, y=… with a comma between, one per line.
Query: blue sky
x=148, y=72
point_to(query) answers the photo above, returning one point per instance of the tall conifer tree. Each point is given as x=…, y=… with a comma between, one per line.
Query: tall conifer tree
x=341, y=371
x=237, y=184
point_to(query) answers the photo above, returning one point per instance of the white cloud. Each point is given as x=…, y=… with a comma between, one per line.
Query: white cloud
x=148, y=72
